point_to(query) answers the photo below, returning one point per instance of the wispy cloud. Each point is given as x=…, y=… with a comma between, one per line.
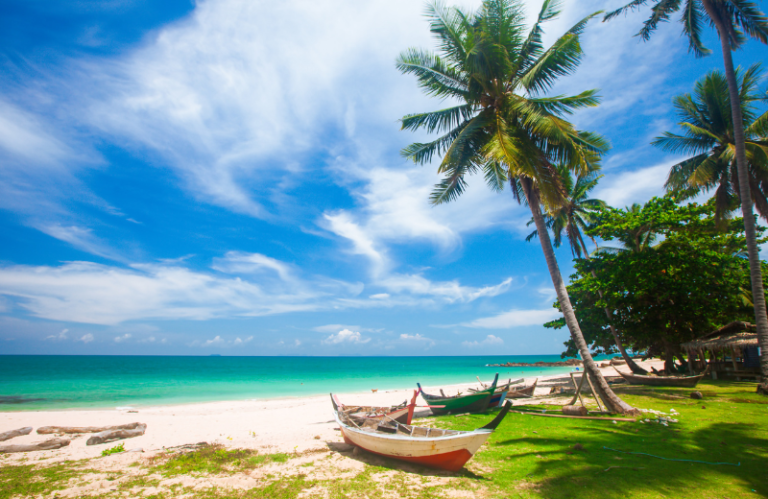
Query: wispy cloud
x=417, y=338
x=86, y=338
x=346, y=336
x=61, y=336
x=515, y=318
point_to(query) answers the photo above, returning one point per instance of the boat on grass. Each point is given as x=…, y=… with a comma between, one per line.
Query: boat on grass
x=523, y=391
x=678, y=381
x=472, y=402
x=402, y=413
x=430, y=447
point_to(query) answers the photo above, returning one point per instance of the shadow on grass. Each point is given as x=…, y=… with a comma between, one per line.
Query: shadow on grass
x=563, y=472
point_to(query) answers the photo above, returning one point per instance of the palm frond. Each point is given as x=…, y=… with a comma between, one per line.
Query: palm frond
x=434, y=76
x=438, y=121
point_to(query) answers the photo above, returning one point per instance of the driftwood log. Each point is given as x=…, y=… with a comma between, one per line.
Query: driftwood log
x=15, y=433
x=53, y=443
x=46, y=430
x=112, y=435
x=575, y=410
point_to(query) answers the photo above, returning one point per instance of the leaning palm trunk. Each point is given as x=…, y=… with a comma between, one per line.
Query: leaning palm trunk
x=758, y=296
x=611, y=401
x=630, y=363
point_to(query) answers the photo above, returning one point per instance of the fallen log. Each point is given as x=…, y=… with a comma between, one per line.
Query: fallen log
x=112, y=435
x=575, y=410
x=53, y=443
x=15, y=433
x=45, y=430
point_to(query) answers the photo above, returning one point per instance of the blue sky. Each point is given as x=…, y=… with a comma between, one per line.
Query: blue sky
x=224, y=176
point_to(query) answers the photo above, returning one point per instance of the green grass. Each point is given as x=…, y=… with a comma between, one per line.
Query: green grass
x=32, y=480
x=527, y=457
x=114, y=450
x=534, y=456
x=215, y=459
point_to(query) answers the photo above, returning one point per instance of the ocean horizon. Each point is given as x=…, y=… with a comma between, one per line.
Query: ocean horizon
x=61, y=382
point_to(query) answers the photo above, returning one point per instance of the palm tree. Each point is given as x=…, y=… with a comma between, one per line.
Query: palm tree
x=501, y=125
x=735, y=22
x=572, y=217
x=708, y=136
x=576, y=213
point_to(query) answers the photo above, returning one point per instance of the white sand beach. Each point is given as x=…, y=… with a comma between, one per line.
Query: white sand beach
x=275, y=425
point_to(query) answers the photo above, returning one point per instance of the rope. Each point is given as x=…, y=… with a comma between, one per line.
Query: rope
x=670, y=459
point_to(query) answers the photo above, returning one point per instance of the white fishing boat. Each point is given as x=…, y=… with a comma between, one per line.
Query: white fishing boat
x=431, y=447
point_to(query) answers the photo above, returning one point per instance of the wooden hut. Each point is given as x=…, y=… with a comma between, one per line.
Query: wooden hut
x=733, y=351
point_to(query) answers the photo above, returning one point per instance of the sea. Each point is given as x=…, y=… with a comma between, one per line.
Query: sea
x=42, y=382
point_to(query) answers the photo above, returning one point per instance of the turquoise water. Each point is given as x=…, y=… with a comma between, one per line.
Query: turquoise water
x=29, y=382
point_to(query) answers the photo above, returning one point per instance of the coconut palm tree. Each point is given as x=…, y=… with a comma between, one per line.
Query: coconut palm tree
x=572, y=217
x=501, y=125
x=708, y=135
x=576, y=213
x=735, y=21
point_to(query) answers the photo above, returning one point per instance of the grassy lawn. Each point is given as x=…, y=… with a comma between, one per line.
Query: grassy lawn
x=527, y=457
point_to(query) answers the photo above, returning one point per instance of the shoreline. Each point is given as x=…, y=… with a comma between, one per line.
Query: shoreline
x=286, y=424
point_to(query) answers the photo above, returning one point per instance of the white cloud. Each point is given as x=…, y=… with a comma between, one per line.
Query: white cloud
x=61, y=336
x=638, y=186
x=489, y=340
x=331, y=328
x=79, y=237
x=86, y=338
x=217, y=341
x=515, y=318
x=239, y=341
x=297, y=342
x=236, y=262
x=379, y=296
x=120, y=339
x=346, y=336
x=150, y=339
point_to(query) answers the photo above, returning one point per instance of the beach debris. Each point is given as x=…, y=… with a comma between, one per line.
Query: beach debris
x=15, y=433
x=45, y=430
x=137, y=449
x=697, y=395
x=133, y=412
x=317, y=437
x=578, y=447
x=50, y=444
x=574, y=410
x=111, y=435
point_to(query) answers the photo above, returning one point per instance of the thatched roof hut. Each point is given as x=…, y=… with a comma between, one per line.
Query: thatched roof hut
x=734, y=335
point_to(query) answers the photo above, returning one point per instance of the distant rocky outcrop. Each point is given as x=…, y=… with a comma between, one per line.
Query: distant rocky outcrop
x=566, y=363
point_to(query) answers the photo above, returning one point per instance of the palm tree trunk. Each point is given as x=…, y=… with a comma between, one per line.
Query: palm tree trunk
x=758, y=296
x=611, y=401
x=630, y=363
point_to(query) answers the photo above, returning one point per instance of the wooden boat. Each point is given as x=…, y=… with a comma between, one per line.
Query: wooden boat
x=501, y=393
x=679, y=381
x=431, y=447
x=523, y=391
x=402, y=413
x=473, y=402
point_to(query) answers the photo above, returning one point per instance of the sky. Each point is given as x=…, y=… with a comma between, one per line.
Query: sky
x=224, y=177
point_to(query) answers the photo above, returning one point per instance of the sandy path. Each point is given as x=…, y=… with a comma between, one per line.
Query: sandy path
x=272, y=425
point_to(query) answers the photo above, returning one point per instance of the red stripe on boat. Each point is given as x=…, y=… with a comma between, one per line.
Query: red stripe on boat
x=450, y=461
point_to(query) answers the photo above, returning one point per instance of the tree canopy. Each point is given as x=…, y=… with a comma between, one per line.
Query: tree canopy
x=693, y=281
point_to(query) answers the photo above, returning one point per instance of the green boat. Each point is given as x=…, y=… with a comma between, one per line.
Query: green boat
x=472, y=402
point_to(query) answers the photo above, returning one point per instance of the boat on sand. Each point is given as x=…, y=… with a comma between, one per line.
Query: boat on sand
x=402, y=413
x=472, y=402
x=430, y=447
x=678, y=381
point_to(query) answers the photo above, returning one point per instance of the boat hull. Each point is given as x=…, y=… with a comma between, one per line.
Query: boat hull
x=676, y=381
x=447, y=453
